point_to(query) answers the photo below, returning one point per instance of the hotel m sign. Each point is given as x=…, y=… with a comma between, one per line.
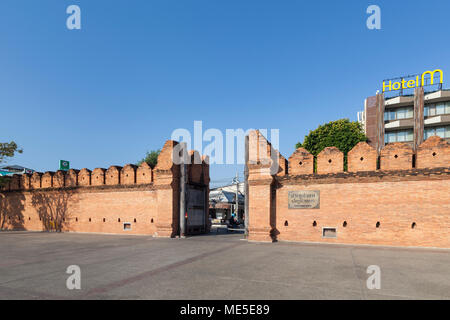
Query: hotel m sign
x=306, y=199
x=413, y=82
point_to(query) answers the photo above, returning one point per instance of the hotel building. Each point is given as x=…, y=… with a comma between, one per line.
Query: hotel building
x=410, y=117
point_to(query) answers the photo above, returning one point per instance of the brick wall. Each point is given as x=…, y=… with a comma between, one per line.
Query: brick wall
x=330, y=160
x=433, y=153
x=71, y=178
x=397, y=205
x=354, y=205
x=396, y=156
x=84, y=177
x=128, y=200
x=362, y=157
x=301, y=162
x=128, y=174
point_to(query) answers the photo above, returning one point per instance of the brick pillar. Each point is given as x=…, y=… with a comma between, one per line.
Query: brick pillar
x=206, y=180
x=260, y=180
x=167, y=183
x=260, y=203
x=418, y=117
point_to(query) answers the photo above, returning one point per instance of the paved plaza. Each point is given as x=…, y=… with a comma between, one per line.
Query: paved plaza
x=216, y=266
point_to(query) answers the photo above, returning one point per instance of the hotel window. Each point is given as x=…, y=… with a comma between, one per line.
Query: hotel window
x=443, y=132
x=439, y=108
x=397, y=114
x=398, y=136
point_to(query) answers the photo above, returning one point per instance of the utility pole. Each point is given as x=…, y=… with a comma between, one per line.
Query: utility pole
x=246, y=187
x=183, y=192
x=237, y=196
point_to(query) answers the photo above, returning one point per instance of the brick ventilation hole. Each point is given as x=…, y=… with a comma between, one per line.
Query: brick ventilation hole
x=344, y=224
x=76, y=219
x=134, y=219
x=329, y=160
x=378, y=224
x=151, y=220
x=118, y=220
x=396, y=156
x=90, y=220
x=361, y=159
x=286, y=223
x=434, y=154
x=300, y=163
x=29, y=218
x=314, y=223
x=413, y=225
x=104, y=220
x=127, y=226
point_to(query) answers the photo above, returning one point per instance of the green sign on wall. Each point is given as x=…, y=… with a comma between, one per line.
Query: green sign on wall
x=64, y=165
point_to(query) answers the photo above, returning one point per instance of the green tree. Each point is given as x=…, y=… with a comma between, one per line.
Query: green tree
x=342, y=134
x=7, y=150
x=151, y=158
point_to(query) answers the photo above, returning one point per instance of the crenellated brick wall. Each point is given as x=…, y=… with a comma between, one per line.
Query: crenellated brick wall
x=330, y=160
x=396, y=156
x=362, y=157
x=301, y=162
x=433, y=153
x=103, y=200
x=397, y=205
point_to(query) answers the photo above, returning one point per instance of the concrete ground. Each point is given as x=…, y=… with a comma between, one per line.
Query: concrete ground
x=219, y=266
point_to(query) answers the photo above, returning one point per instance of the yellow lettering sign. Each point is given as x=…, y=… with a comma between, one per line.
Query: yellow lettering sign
x=409, y=84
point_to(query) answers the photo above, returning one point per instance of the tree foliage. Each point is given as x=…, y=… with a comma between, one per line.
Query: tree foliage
x=151, y=157
x=342, y=134
x=7, y=150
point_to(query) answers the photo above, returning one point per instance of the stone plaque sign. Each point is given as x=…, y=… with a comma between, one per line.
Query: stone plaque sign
x=306, y=199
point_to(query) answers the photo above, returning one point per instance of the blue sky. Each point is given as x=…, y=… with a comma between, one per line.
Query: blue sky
x=137, y=70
